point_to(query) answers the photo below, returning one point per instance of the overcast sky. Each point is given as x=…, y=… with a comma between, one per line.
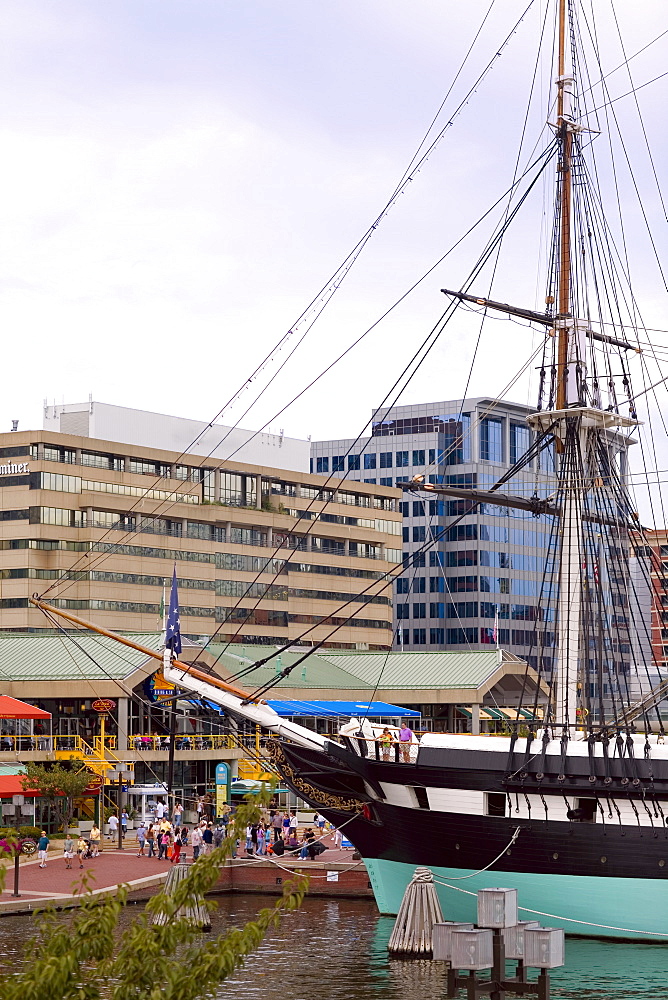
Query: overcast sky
x=180, y=177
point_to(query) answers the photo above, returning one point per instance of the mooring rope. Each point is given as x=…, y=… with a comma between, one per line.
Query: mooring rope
x=555, y=916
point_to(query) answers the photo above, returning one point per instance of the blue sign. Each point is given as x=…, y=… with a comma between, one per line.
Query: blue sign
x=222, y=786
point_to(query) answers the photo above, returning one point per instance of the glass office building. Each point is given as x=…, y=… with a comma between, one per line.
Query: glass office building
x=473, y=574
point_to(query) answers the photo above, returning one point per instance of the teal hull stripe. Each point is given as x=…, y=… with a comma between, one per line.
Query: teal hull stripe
x=584, y=905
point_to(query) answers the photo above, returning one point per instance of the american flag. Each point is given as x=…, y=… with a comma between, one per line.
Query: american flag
x=173, y=632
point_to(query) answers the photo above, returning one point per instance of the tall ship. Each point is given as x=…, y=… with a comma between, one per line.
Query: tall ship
x=571, y=805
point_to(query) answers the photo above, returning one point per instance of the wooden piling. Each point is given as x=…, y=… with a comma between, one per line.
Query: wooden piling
x=197, y=913
x=420, y=909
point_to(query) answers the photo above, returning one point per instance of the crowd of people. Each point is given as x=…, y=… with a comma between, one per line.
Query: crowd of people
x=279, y=834
x=166, y=837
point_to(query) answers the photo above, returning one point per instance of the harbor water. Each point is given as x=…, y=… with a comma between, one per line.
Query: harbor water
x=338, y=949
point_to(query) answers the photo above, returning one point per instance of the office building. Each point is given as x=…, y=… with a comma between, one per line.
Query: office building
x=263, y=555
x=107, y=422
x=464, y=571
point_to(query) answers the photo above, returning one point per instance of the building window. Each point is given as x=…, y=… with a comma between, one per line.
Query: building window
x=491, y=444
x=462, y=584
x=385, y=481
x=489, y=639
x=495, y=584
x=436, y=585
x=419, y=637
x=353, y=463
x=437, y=559
x=403, y=585
x=546, y=459
x=458, y=636
x=402, y=611
x=402, y=459
x=419, y=533
x=462, y=557
x=322, y=465
x=337, y=463
x=436, y=636
x=405, y=534
x=401, y=479
x=370, y=461
x=520, y=441
x=419, y=585
x=404, y=507
x=419, y=610
x=370, y=481
x=498, y=559
x=386, y=459
x=418, y=560
x=463, y=609
x=460, y=532
x=418, y=508
x=436, y=609
x=418, y=456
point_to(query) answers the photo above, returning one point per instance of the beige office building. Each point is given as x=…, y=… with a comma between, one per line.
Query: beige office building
x=262, y=555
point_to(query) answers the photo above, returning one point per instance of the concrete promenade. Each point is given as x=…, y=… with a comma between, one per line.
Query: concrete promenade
x=62, y=886
x=333, y=873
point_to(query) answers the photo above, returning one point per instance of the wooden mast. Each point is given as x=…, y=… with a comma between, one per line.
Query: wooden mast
x=564, y=290
x=199, y=674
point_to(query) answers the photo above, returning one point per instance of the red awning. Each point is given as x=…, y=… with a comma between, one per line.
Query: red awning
x=10, y=708
x=12, y=784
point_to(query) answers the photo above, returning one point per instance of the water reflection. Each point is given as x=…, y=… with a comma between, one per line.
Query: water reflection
x=338, y=948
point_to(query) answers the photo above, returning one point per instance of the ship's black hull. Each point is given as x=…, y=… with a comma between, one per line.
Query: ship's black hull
x=553, y=853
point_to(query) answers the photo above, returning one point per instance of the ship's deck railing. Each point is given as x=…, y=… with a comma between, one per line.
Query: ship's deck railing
x=391, y=751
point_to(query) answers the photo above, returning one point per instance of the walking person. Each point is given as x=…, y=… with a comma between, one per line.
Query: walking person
x=82, y=847
x=178, y=813
x=277, y=825
x=113, y=826
x=338, y=838
x=68, y=849
x=207, y=838
x=163, y=844
x=260, y=848
x=94, y=838
x=294, y=823
x=150, y=840
x=124, y=823
x=159, y=811
x=196, y=841
x=320, y=820
x=141, y=839
x=286, y=825
x=176, y=851
x=42, y=849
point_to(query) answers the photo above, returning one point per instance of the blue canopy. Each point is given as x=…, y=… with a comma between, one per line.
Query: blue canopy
x=333, y=709
x=336, y=709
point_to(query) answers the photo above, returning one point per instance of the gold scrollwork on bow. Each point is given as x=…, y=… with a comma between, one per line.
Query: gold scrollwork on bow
x=344, y=803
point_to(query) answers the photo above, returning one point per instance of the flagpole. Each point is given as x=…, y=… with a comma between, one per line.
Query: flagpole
x=171, y=651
